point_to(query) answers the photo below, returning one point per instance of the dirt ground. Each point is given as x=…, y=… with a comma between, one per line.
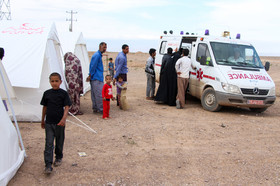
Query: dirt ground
x=154, y=144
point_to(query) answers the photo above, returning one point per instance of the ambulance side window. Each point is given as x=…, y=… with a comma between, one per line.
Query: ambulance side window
x=162, y=47
x=203, y=55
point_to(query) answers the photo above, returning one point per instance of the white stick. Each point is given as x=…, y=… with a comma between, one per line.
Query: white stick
x=79, y=125
x=82, y=123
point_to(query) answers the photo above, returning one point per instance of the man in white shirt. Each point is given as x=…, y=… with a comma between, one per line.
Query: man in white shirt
x=183, y=67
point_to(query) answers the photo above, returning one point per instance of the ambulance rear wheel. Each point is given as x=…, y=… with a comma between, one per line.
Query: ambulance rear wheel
x=258, y=110
x=209, y=100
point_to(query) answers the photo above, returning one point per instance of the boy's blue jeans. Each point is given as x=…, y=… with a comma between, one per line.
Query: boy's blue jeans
x=57, y=133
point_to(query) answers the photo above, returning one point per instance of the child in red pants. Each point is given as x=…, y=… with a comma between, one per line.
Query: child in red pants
x=107, y=94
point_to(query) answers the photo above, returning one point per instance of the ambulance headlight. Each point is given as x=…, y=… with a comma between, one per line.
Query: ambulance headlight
x=272, y=92
x=230, y=88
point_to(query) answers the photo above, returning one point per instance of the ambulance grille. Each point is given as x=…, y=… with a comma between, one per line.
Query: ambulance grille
x=248, y=91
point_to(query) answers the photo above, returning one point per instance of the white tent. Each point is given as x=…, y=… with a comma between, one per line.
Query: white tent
x=32, y=53
x=11, y=155
x=74, y=42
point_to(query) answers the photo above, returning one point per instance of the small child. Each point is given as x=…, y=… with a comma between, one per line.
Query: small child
x=120, y=87
x=56, y=104
x=111, y=67
x=107, y=94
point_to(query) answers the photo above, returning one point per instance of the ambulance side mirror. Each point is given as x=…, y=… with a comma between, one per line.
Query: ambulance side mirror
x=266, y=66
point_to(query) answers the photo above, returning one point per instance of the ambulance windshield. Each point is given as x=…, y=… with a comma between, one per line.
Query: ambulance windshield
x=236, y=55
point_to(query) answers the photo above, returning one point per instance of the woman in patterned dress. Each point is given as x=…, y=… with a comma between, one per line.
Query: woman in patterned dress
x=74, y=78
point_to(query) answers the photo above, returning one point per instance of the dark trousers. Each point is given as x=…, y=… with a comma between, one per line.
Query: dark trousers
x=57, y=133
x=119, y=101
x=151, y=84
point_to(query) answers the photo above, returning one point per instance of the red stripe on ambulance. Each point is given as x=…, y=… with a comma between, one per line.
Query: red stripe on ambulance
x=204, y=76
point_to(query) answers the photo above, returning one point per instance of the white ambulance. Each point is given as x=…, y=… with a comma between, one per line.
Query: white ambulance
x=228, y=72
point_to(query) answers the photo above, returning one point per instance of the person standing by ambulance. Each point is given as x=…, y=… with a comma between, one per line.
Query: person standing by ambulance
x=172, y=87
x=150, y=72
x=183, y=67
x=162, y=91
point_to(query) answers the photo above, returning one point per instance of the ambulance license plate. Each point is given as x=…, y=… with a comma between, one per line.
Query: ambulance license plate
x=255, y=102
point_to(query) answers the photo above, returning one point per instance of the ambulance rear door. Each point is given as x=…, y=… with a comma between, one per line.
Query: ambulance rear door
x=165, y=42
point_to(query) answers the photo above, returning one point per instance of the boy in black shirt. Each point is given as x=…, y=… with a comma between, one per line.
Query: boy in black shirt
x=56, y=104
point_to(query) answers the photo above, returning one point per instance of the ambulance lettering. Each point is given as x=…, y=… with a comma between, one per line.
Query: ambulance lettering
x=248, y=76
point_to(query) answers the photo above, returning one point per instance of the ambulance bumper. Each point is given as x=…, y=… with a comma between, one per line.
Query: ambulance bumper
x=226, y=99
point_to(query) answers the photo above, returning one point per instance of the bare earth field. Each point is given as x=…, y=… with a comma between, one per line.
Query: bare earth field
x=154, y=144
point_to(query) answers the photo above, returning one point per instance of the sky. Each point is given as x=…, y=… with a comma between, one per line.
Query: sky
x=139, y=23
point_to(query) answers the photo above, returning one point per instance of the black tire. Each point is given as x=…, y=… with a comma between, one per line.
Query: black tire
x=258, y=110
x=209, y=100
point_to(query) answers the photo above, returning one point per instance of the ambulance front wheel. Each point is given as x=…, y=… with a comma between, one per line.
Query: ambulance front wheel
x=209, y=100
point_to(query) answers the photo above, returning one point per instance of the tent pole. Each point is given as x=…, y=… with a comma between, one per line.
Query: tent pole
x=12, y=108
x=82, y=122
